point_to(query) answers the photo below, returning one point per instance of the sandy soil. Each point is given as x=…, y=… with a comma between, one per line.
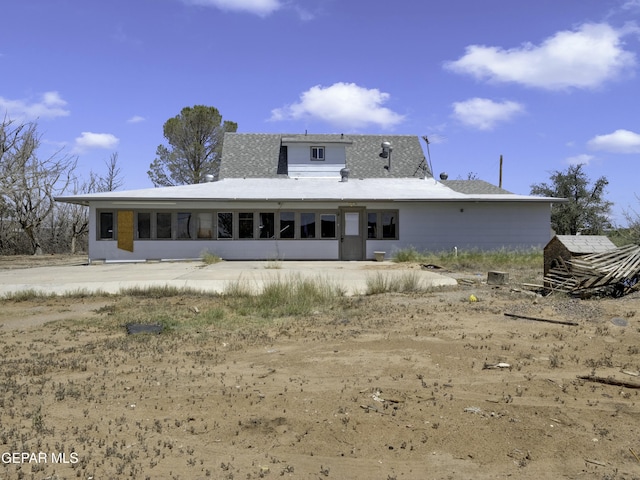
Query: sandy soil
x=394, y=386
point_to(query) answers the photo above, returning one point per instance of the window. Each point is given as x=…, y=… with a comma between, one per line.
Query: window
x=389, y=224
x=225, y=225
x=144, y=225
x=307, y=225
x=382, y=225
x=352, y=223
x=245, y=225
x=287, y=225
x=267, y=225
x=163, y=225
x=372, y=225
x=204, y=225
x=317, y=153
x=328, y=225
x=184, y=225
x=106, y=225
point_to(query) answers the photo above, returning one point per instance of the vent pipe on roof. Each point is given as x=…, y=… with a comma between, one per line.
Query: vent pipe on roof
x=344, y=174
x=444, y=176
x=208, y=178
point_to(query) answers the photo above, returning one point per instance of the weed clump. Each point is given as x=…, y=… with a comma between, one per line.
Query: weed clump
x=409, y=282
x=294, y=295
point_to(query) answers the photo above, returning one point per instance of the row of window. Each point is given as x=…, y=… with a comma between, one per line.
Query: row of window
x=243, y=225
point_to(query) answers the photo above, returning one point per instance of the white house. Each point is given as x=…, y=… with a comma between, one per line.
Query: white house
x=324, y=197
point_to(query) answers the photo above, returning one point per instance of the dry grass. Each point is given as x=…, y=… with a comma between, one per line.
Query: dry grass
x=299, y=381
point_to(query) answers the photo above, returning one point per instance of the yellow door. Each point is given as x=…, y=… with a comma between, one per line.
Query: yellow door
x=125, y=230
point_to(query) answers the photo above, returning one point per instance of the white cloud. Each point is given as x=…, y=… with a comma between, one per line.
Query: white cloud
x=344, y=105
x=631, y=5
x=583, y=58
x=304, y=14
x=484, y=114
x=258, y=7
x=136, y=119
x=582, y=159
x=50, y=105
x=620, y=141
x=89, y=140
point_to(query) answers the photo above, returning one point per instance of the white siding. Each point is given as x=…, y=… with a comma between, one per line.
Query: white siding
x=225, y=249
x=470, y=225
x=426, y=226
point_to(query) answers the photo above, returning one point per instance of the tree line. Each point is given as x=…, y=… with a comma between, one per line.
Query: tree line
x=32, y=222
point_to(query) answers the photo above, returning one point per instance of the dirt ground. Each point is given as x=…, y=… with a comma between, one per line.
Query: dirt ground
x=391, y=386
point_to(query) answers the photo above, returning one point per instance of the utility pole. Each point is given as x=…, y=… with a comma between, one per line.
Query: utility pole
x=500, y=181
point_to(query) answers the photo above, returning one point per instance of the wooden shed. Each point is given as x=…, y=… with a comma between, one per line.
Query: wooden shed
x=566, y=247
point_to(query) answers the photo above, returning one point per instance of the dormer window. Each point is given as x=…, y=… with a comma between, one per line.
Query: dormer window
x=317, y=153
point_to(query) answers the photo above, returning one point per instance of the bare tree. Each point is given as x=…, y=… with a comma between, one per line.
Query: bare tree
x=112, y=180
x=77, y=216
x=28, y=183
x=74, y=216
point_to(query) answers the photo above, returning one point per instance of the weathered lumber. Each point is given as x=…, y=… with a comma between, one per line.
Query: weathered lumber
x=497, y=278
x=614, y=272
x=609, y=381
x=535, y=319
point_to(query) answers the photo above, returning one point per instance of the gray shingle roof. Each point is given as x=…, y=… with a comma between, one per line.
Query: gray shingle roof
x=249, y=155
x=586, y=243
x=474, y=187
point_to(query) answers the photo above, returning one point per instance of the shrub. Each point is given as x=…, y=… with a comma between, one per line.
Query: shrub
x=209, y=258
x=403, y=283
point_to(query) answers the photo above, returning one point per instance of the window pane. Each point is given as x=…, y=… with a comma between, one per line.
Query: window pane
x=267, y=225
x=245, y=225
x=307, y=225
x=352, y=223
x=205, y=225
x=328, y=225
x=225, y=225
x=317, y=153
x=106, y=225
x=144, y=225
x=389, y=225
x=184, y=225
x=287, y=225
x=163, y=225
x=372, y=225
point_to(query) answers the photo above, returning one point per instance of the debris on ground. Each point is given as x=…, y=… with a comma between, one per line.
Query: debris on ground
x=488, y=366
x=135, y=328
x=536, y=319
x=613, y=273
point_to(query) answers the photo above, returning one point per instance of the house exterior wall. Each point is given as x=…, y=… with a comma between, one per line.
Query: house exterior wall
x=441, y=226
x=425, y=226
x=476, y=225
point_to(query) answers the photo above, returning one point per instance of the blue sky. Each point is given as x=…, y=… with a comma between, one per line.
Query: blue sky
x=545, y=84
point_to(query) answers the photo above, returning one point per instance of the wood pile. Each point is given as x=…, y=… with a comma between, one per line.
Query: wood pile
x=614, y=273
